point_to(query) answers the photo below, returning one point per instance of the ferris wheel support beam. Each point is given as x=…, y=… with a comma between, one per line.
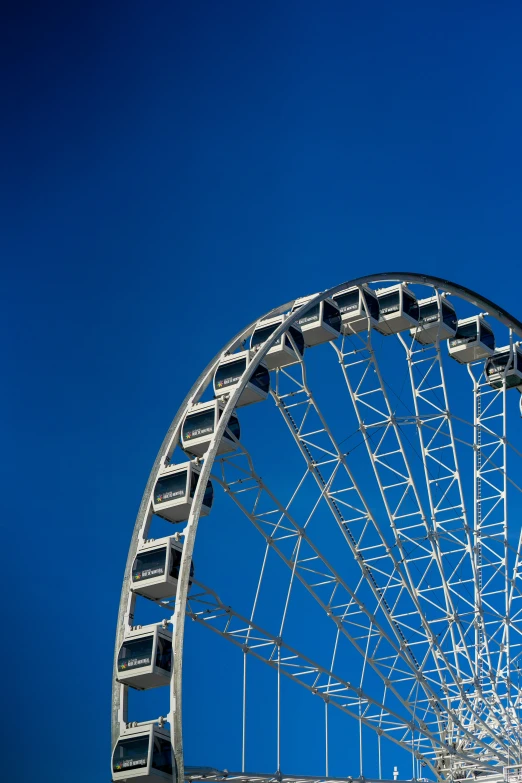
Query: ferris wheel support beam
x=304, y=443
x=296, y=666
x=390, y=457
x=306, y=571
x=425, y=391
x=491, y=533
x=426, y=386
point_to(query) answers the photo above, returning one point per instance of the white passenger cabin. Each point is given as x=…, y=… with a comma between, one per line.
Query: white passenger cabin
x=229, y=373
x=398, y=309
x=474, y=340
x=145, y=657
x=174, y=492
x=321, y=323
x=437, y=320
x=155, y=569
x=359, y=309
x=285, y=351
x=505, y=365
x=199, y=426
x=143, y=754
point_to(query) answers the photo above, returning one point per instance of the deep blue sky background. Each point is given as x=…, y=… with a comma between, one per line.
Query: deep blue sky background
x=170, y=171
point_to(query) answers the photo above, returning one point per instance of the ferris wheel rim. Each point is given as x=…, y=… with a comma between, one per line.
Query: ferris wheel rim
x=171, y=436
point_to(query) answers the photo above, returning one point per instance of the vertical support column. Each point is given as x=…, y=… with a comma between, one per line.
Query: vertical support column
x=505, y=531
x=477, y=527
x=360, y=742
x=243, y=748
x=490, y=537
x=279, y=706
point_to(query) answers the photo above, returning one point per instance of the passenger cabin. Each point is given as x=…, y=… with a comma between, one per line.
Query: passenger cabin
x=474, y=340
x=145, y=657
x=284, y=351
x=359, y=309
x=398, y=309
x=175, y=489
x=143, y=754
x=200, y=424
x=505, y=365
x=155, y=569
x=321, y=323
x=229, y=373
x=437, y=320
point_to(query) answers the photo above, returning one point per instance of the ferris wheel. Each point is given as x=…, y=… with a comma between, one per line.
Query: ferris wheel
x=339, y=500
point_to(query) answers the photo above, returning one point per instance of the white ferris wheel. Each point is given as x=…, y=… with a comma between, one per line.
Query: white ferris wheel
x=338, y=499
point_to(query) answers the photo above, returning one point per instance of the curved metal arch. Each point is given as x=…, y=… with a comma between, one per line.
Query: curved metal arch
x=127, y=599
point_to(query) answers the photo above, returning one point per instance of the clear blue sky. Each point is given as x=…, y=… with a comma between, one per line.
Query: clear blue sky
x=170, y=171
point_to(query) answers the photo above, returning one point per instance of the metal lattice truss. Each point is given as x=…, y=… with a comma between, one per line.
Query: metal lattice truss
x=431, y=608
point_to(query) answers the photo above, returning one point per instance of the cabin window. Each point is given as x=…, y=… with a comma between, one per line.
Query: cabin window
x=131, y=753
x=486, y=336
x=428, y=313
x=331, y=316
x=410, y=306
x=372, y=304
x=233, y=424
x=233, y=427
x=193, y=482
x=135, y=653
x=467, y=330
x=198, y=424
x=164, y=654
x=209, y=491
x=501, y=360
x=261, y=378
x=311, y=315
x=497, y=364
x=175, y=562
x=449, y=316
x=348, y=302
x=171, y=487
x=208, y=497
x=519, y=361
x=298, y=339
x=149, y=564
x=229, y=373
x=466, y=333
x=162, y=755
x=262, y=334
x=390, y=303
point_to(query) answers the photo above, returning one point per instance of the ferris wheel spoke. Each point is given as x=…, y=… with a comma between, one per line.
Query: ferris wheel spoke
x=429, y=389
x=380, y=459
x=340, y=603
x=398, y=620
x=374, y=558
x=451, y=536
x=382, y=463
x=491, y=535
x=348, y=613
x=223, y=620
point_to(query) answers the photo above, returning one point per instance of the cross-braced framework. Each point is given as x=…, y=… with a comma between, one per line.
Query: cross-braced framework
x=391, y=526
